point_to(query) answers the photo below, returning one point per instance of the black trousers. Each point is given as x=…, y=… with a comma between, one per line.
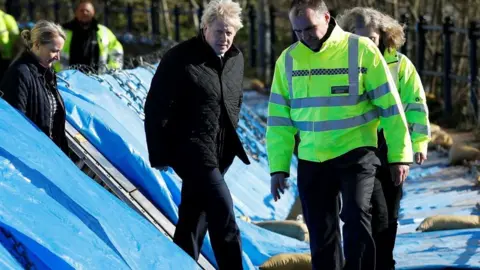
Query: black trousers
x=385, y=207
x=206, y=203
x=319, y=185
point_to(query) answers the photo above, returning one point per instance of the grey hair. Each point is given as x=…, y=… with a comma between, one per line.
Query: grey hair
x=391, y=30
x=227, y=10
x=299, y=6
x=42, y=33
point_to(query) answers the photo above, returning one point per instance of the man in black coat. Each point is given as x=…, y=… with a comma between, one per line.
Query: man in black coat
x=191, y=116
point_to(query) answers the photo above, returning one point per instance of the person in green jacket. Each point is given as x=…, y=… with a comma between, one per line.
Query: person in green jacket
x=90, y=43
x=9, y=34
x=388, y=35
x=334, y=88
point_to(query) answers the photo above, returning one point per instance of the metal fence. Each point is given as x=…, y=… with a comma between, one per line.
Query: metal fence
x=261, y=37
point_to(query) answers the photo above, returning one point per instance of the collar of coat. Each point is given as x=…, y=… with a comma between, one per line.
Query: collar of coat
x=34, y=65
x=210, y=53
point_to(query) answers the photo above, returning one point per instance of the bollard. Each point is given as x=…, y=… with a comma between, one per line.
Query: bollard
x=447, y=64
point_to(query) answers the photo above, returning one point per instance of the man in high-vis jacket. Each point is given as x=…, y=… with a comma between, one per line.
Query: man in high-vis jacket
x=8, y=35
x=89, y=43
x=335, y=89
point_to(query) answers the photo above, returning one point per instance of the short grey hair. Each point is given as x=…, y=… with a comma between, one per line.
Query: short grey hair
x=298, y=6
x=42, y=33
x=227, y=10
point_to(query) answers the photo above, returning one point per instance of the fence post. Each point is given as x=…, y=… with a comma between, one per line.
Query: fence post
x=447, y=64
x=31, y=10
x=404, y=20
x=154, y=13
x=420, y=53
x=472, y=42
x=106, y=12
x=176, y=14
x=56, y=10
x=13, y=8
x=130, y=17
x=252, y=52
x=273, y=37
x=200, y=13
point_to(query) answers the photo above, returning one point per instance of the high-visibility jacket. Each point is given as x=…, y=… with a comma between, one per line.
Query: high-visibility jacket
x=411, y=92
x=110, y=50
x=8, y=35
x=335, y=98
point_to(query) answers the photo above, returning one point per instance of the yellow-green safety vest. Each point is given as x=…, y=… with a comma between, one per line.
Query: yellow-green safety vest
x=335, y=98
x=8, y=35
x=110, y=50
x=410, y=88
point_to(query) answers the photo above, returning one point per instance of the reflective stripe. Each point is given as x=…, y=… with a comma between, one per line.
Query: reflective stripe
x=325, y=71
x=419, y=128
x=329, y=125
x=353, y=64
x=415, y=107
x=278, y=99
x=391, y=111
x=379, y=91
x=276, y=121
x=349, y=100
x=289, y=68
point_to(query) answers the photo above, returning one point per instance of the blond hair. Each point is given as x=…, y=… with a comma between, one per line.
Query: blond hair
x=390, y=29
x=227, y=10
x=42, y=33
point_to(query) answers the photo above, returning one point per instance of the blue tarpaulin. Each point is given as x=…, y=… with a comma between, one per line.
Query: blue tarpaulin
x=53, y=216
x=107, y=110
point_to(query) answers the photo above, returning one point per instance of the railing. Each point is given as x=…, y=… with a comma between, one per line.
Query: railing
x=262, y=37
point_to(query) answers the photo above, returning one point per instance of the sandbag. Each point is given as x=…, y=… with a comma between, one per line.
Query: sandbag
x=449, y=222
x=290, y=228
x=288, y=261
x=245, y=218
x=296, y=209
x=439, y=137
x=460, y=152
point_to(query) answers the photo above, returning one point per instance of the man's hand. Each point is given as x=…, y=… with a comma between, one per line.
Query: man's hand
x=420, y=158
x=162, y=168
x=399, y=173
x=278, y=184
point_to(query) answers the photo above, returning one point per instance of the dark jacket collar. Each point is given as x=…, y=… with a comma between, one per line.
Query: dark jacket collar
x=31, y=60
x=331, y=26
x=75, y=25
x=210, y=53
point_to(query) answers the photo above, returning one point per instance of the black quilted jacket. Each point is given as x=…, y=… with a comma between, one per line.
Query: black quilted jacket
x=192, y=108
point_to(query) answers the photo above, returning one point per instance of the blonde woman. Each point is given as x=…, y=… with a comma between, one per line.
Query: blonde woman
x=389, y=36
x=30, y=83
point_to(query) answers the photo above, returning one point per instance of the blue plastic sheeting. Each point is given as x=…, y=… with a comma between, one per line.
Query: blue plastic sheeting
x=53, y=216
x=110, y=117
x=437, y=189
x=439, y=250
